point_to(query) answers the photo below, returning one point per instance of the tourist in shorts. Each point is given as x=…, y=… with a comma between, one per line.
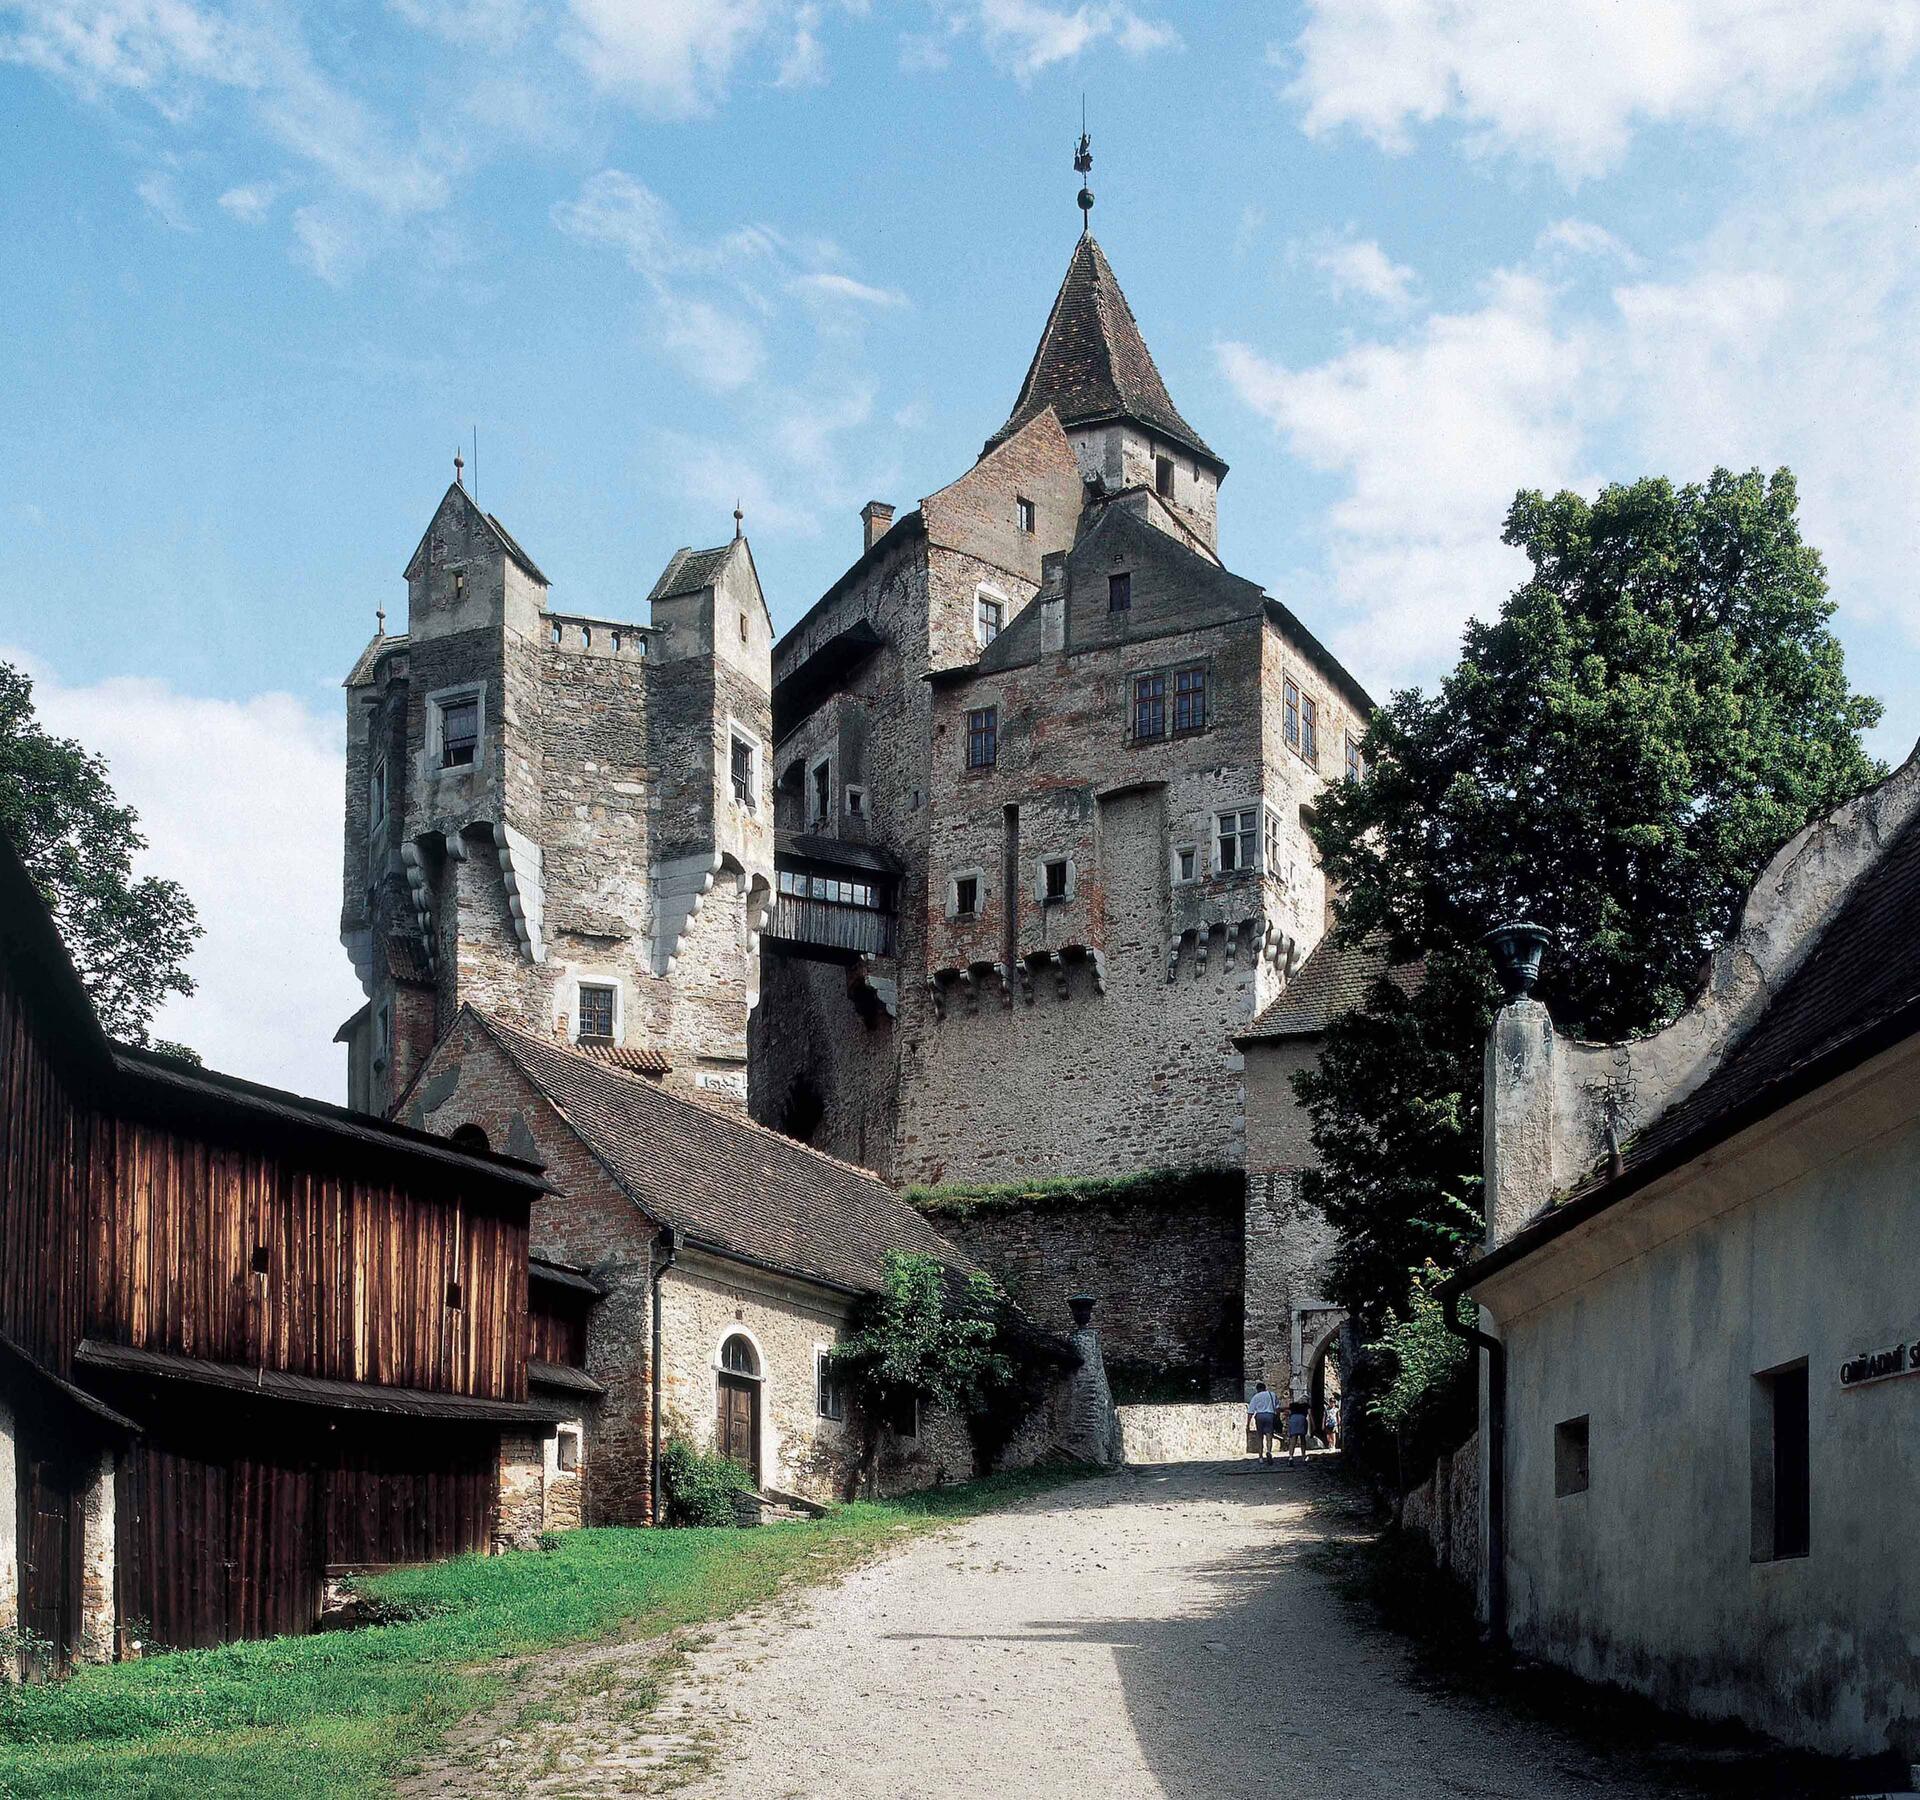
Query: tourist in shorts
x=1297, y=1416
x=1262, y=1413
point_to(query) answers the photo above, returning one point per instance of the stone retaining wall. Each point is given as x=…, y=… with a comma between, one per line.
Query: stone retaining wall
x=1444, y=1511
x=1204, y=1431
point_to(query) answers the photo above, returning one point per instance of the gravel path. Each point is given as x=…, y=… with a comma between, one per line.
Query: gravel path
x=1153, y=1633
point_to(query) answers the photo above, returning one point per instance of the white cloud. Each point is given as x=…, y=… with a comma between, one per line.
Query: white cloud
x=1582, y=237
x=1569, y=82
x=240, y=802
x=1024, y=37
x=829, y=287
x=250, y=202
x=1360, y=266
x=162, y=197
x=671, y=58
x=805, y=62
x=718, y=349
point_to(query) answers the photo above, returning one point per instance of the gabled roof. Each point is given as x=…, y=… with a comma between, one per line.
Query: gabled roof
x=1092, y=364
x=377, y=646
x=727, y=1184
x=501, y=535
x=1333, y=980
x=688, y=571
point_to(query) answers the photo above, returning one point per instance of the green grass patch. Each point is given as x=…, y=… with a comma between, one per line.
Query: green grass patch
x=340, y=1713
x=1182, y=1190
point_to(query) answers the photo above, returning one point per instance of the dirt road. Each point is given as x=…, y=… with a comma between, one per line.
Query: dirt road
x=1152, y=1633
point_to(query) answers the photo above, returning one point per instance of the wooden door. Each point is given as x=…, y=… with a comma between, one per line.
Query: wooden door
x=52, y=1488
x=737, y=1426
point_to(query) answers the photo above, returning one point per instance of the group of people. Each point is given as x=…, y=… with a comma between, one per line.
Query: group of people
x=1268, y=1416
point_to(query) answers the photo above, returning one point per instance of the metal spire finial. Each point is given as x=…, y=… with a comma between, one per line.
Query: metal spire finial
x=380, y=621
x=459, y=466
x=739, y=519
x=1083, y=162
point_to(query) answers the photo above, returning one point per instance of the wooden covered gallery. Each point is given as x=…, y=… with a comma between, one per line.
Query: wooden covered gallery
x=246, y=1339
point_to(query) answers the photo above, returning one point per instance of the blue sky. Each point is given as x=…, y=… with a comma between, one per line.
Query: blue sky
x=269, y=263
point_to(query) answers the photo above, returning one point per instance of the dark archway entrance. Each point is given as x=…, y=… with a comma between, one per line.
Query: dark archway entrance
x=736, y=1426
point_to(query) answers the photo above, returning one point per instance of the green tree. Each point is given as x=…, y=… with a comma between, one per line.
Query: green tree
x=1657, y=708
x=931, y=1337
x=128, y=936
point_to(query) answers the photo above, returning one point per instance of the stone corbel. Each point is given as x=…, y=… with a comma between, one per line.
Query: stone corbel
x=1202, y=941
x=359, y=948
x=520, y=874
x=1025, y=969
x=419, y=888
x=680, y=889
x=1173, y=956
x=939, y=994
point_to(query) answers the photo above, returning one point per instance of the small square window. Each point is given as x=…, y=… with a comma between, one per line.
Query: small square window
x=1056, y=878
x=988, y=615
x=1570, y=1463
x=1290, y=711
x=260, y=1259
x=453, y=1296
x=566, y=1451
x=1023, y=513
x=459, y=731
x=1163, y=477
x=742, y=768
x=983, y=737
x=1186, y=862
x=1120, y=591
x=856, y=802
x=596, y=1014
x=828, y=1399
x=1190, y=699
x=1150, y=706
x=966, y=896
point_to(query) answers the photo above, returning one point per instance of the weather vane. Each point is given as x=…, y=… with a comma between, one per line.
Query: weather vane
x=1083, y=162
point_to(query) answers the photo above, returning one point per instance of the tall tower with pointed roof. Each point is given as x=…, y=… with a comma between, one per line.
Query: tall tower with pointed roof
x=561, y=817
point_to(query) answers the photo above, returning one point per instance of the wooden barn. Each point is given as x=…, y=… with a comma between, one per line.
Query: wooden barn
x=246, y=1340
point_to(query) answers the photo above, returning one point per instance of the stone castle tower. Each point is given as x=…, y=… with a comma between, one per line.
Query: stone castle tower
x=562, y=818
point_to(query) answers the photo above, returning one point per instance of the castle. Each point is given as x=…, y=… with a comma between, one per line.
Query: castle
x=982, y=872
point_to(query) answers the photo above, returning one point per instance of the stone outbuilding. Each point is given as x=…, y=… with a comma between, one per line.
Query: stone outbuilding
x=1699, y=1280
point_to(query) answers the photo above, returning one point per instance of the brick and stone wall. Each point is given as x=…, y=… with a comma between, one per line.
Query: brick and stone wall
x=1173, y=1434
x=1162, y=1260
x=1444, y=1511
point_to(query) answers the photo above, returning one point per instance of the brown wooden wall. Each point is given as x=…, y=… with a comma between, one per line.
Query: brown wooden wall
x=45, y=1151
x=357, y=1270
x=557, y=1328
x=230, y=1535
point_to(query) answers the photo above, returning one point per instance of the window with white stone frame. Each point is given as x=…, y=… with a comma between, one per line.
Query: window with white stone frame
x=566, y=1450
x=966, y=892
x=1185, y=866
x=989, y=615
x=1272, y=858
x=1236, y=840
x=456, y=724
x=743, y=765
x=596, y=1012
x=829, y=1398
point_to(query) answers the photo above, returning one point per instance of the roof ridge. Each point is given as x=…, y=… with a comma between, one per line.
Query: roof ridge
x=711, y=1108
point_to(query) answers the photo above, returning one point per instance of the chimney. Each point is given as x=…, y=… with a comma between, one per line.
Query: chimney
x=1520, y=1076
x=876, y=518
x=1053, y=600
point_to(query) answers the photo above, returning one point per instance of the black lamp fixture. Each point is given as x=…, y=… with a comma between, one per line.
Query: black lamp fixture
x=1516, y=951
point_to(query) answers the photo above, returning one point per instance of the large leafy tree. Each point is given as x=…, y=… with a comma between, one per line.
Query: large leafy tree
x=1657, y=708
x=128, y=935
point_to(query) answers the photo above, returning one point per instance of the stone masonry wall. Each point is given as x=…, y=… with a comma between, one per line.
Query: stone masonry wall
x=1166, y=1280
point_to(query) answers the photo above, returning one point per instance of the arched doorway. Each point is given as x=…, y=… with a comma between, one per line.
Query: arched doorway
x=1323, y=1346
x=736, y=1424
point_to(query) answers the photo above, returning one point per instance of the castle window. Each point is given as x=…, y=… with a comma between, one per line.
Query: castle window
x=554, y=633
x=1290, y=711
x=459, y=731
x=1236, y=839
x=1186, y=862
x=1270, y=843
x=596, y=1013
x=459, y=584
x=828, y=1399
x=1310, y=732
x=1054, y=879
x=988, y=615
x=823, y=790
x=966, y=896
x=613, y=639
x=470, y=1137
x=1023, y=513
x=1354, y=766
x=1163, y=477
x=983, y=737
x=1190, y=699
x=742, y=768
x=1119, y=591
x=743, y=628
x=1572, y=1469
x=566, y=1450
x=1150, y=706
x=1782, y=1465
x=856, y=802
x=377, y=794
x=586, y=637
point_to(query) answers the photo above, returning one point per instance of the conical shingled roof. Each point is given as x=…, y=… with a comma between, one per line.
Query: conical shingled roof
x=1093, y=364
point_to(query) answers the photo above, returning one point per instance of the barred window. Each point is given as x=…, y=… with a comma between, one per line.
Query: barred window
x=1190, y=699
x=459, y=731
x=983, y=737
x=596, y=1012
x=1149, y=706
x=1290, y=711
x=743, y=772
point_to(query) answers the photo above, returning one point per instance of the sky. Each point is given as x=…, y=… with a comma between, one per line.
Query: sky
x=268, y=264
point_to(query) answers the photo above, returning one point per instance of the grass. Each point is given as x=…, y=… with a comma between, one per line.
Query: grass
x=339, y=1714
x=1192, y=1190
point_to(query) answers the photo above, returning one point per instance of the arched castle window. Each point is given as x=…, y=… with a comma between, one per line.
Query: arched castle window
x=737, y=1357
x=471, y=1137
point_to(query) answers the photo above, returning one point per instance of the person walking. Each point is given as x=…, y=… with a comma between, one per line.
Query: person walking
x=1330, y=1425
x=1298, y=1414
x=1262, y=1412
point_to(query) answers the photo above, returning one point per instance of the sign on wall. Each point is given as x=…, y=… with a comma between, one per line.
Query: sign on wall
x=1880, y=1365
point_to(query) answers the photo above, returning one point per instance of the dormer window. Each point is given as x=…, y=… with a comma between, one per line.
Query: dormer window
x=1163, y=477
x=1119, y=591
x=1023, y=513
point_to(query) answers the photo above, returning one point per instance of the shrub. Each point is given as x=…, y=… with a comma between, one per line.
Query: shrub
x=699, y=1488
